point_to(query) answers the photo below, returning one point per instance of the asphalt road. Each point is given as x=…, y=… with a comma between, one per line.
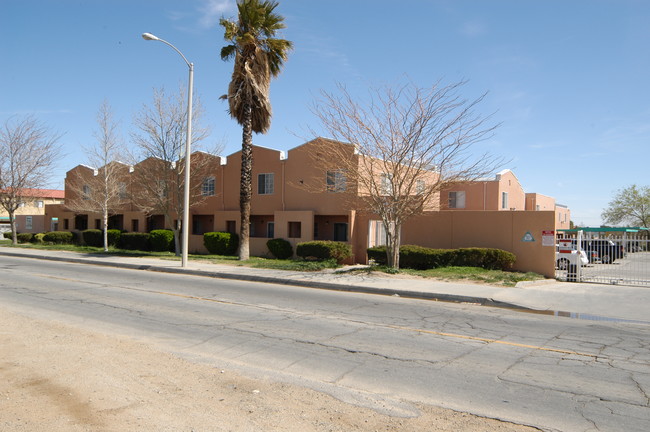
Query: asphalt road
x=553, y=373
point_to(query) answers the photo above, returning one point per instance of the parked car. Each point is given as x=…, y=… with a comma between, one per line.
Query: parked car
x=607, y=250
x=564, y=259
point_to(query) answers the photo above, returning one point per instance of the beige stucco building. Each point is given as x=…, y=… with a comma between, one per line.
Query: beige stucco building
x=299, y=198
x=30, y=215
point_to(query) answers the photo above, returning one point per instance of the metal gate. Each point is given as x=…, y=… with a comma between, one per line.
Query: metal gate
x=618, y=259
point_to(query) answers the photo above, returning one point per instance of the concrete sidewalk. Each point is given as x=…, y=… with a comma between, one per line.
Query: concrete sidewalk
x=578, y=300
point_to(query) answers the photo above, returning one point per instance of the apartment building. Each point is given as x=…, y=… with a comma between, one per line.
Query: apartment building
x=30, y=215
x=502, y=193
x=302, y=195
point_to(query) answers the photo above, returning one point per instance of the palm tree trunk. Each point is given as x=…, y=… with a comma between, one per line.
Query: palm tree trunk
x=246, y=186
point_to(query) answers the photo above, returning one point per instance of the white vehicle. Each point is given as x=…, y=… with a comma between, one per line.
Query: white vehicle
x=566, y=255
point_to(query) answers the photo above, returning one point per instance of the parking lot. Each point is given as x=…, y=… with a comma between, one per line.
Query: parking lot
x=632, y=269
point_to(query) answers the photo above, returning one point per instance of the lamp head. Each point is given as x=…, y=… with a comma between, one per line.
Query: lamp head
x=149, y=36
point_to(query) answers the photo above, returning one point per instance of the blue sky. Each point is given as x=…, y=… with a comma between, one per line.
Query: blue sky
x=569, y=80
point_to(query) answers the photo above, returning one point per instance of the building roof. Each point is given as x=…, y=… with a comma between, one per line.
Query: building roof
x=43, y=193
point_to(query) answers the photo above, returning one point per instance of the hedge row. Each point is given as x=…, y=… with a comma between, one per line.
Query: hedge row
x=421, y=258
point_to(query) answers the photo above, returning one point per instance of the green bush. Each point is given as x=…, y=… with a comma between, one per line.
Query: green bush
x=93, y=237
x=161, y=240
x=24, y=237
x=324, y=250
x=221, y=243
x=134, y=241
x=491, y=259
x=7, y=234
x=280, y=248
x=421, y=258
x=58, y=237
x=38, y=238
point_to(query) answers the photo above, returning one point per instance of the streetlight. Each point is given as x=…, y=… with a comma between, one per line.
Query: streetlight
x=185, y=226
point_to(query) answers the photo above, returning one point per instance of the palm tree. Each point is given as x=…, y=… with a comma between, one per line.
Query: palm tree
x=258, y=58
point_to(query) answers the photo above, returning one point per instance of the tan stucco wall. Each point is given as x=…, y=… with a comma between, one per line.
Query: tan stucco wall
x=495, y=229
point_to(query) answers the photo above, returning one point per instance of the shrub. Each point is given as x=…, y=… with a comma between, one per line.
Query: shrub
x=58, y=237
x=161, y=240
x=280, y=248
x=323, y=250
x=7, y=234
x=221, y=243
x=491, y=259
x=421, y=258
x=24, y=237
x=134, y=241
x=38, y=238
x=113, y=237
x=93, y=237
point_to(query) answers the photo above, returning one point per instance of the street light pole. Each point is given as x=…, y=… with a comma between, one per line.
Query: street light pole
x=185, y=225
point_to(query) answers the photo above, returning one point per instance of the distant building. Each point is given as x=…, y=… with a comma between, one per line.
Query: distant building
x=30, y=215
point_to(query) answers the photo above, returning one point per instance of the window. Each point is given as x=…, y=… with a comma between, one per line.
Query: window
x=270, y=230
x=340, y=232
x=135, y=225
x=121, y=190
x=162, y=188
x=265, y=184
x=457, y=199
x=386, y=187
x=504, y=200
x=207, y=189
x=28, y=222
x=376, y=233
x=295, y=229
x=21, y=204
x=336, y=181
x=86, y=192
x=420, y=187
x=39, y=204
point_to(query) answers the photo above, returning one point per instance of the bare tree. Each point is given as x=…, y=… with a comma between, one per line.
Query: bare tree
x=105, y=191
x=409, y=143
x=28, y=152
x=159, y=179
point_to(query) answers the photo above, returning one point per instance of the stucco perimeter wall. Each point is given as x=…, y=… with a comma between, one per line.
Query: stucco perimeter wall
x=493, y=229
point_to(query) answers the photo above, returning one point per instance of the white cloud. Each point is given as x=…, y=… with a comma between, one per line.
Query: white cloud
x=212, y=10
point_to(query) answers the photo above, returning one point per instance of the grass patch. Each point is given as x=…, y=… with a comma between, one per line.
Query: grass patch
x=275, y=264
x=475, y=274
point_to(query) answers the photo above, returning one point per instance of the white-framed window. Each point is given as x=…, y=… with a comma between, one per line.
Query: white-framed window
x=457, y=199
x=386, y=185
x=504, y=200
x=265, y=184
x=28, y=222
x=39, y=204
x=21, y=204
x=336, y=181
x=207, y=189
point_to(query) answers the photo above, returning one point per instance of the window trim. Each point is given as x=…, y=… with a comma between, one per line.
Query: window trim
x=266, y=183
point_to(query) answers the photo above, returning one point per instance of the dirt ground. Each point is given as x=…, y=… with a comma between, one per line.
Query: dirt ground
x=55, y=377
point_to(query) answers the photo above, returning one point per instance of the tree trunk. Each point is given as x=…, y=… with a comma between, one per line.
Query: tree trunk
x=246, y=185
x=392, y=245
x=105, y=222
x=12, y=222
x=177, y=242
